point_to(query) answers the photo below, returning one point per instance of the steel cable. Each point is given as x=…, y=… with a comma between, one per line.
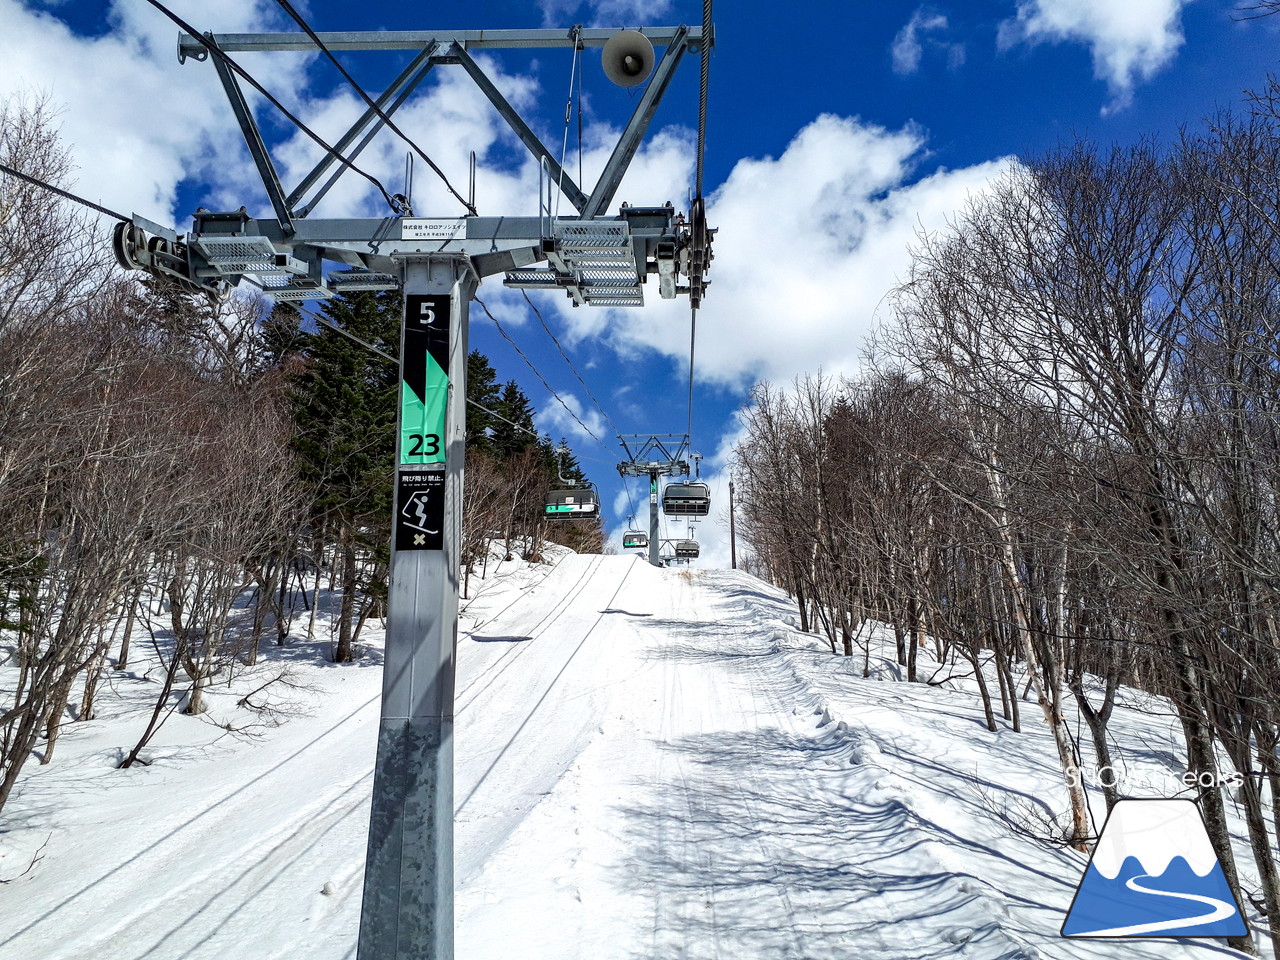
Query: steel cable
x=708, y=35
x=66, y=195
x=538, y=374
x=297, y=18
x=211, y=45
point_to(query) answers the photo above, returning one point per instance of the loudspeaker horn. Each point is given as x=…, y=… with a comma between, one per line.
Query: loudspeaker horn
x=628, y=58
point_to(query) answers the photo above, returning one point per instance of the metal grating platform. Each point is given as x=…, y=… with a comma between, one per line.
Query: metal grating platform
x=294, y=289
x=599, y=261
x=356, y=278
x=238, y=255
x=534, y=278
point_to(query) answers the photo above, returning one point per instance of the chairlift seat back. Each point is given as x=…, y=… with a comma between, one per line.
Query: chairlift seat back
x=575, y=502
x=687, y=549
x=686, y=500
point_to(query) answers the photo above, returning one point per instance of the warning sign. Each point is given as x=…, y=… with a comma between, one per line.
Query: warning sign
x=420, y=510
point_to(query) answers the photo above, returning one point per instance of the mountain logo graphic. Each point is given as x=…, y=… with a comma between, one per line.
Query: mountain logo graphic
x=1154, y=874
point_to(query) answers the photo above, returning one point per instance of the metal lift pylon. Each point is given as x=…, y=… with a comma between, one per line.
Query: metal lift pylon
x=597, y=259
x=654, y=455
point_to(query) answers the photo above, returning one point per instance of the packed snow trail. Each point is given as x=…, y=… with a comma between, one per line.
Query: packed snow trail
x=650, y=765
x=712, y=784
x=701, y=819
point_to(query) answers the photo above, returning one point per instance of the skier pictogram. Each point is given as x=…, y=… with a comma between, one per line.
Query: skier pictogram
x=420, y=519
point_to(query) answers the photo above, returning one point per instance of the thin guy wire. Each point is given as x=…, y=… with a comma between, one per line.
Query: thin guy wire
x=386, y=356
x=297, y=17
x=568, y=115
x=536, y=373
x=538, y=313
x=62, y=193
x=211, y=45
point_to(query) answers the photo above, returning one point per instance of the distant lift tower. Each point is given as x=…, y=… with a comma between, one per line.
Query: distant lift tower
x=653, y=456
x=596, y=258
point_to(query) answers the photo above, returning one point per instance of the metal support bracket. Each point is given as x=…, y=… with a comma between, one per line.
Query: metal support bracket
x=391, y=100
x=521, y=129
x=258, y=149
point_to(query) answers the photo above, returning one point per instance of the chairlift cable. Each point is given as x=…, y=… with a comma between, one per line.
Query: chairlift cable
x=211, y=45
x=350, y=336
x=369, y=101
x=708, y=34
x=65, y=194
x=538, y=313
x=705, y=65
x=693, y=333
x=386, y=356
x=626, y=488
x=604, y=413
x=538, y=374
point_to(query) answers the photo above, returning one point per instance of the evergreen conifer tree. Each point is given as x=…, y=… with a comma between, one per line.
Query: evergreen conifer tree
x=514, y=406
x=345, y=408
x=482, y=389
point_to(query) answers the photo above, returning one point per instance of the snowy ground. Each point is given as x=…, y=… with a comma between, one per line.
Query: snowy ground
x=650, y=764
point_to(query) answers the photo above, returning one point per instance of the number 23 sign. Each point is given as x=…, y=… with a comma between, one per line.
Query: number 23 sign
x=424, y=379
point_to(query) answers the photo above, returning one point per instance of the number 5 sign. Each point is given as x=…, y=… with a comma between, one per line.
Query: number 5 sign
x=424, y=379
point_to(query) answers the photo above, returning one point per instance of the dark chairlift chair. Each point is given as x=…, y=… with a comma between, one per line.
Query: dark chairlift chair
x=686, y=500
x=574, y=499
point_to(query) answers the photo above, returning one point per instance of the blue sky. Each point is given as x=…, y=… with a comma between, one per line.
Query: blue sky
x=835, y=131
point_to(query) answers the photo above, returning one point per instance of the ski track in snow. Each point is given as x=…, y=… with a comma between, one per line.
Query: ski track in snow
x=649, y=764
x=141, y=906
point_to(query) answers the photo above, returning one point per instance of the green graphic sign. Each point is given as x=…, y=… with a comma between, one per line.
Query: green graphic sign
x=424, y=379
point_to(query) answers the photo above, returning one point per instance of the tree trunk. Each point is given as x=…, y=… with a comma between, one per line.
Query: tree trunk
x=1080, y=826
x=122, y=662
x=344, y=652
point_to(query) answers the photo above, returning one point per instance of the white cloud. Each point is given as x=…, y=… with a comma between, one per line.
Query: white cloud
x=135, y=121
x=1131, y=40
x=908, y=46
x=808, y=244
x=606, y=13
x=556, y=419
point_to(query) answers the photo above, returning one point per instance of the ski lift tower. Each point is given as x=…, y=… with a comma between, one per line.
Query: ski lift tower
x=598, y=258
x=653, y=456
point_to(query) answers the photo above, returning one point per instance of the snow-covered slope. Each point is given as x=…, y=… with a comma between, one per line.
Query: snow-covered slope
x=650, y=764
